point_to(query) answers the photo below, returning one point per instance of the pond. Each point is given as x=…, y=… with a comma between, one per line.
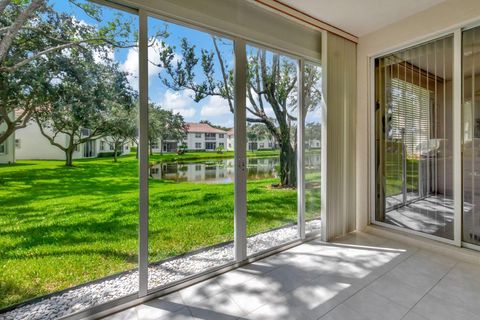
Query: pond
x=222, y=171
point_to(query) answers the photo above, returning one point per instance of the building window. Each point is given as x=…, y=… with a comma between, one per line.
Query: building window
x=198, y=135
x=262, y=145
x=198, y=167
x=210, y=145
x=210, y=136
x=221, y=135
x=221, y=144
x=198, y=145
x=154, y=145
x=18, y=143
x=3, y=148
x=85, y=132
x=102, y=145
x=111, y=146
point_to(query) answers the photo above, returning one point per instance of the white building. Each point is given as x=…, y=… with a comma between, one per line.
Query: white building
x=200, y=137
x=204, y=137
x=265, y=143
x=313, y=144
x=30, y=144
x=7, y=148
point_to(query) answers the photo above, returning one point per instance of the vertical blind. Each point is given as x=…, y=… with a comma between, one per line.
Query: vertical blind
x=410, y=116
x=413, y=130
x=471, y=135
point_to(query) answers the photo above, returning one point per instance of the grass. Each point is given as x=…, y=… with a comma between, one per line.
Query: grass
x=62, y=226
x=393, y=176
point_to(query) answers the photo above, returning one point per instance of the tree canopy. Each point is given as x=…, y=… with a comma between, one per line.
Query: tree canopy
x=84, y=96
x=272, y=86
x=32, y=35
x=165, y=125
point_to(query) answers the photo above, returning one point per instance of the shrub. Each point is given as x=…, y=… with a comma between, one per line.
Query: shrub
x=108, y=154
x=182, y=149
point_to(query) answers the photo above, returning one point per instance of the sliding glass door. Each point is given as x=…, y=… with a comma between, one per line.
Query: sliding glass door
x=314, y=112
x=191, y=163
x=272, y=118
x=69, y=187
x=414, y=138
x=471, y=136
x=135, y=173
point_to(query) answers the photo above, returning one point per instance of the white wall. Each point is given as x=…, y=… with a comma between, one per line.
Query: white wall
x=433, y=21
x=9, y=155
x=33, y=145
x=192, y=140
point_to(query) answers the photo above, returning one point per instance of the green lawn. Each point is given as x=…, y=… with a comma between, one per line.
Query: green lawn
x=393, y=176
x=63, y=226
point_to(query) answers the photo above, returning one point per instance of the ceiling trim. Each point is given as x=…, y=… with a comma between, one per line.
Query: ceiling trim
x=303, y=18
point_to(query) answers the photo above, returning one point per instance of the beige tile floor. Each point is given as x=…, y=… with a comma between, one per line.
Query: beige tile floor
x=360, y=276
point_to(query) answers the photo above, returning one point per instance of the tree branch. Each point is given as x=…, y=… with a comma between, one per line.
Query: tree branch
x=57, y=48
x=3, y=5
x=16, y=26
x=50, y=139
x=224, y=75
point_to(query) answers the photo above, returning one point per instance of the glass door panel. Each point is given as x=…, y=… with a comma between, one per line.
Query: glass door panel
x=413, y=134
x=69, y=222
x=314, y=110
x=191, y=138
x=272, y=118
x=471, y=136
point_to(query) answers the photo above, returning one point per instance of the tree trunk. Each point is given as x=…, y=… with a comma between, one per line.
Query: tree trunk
x=115, y=148
x=288, y=163
x=136, y=153
x=7, y=133
x=69, y=157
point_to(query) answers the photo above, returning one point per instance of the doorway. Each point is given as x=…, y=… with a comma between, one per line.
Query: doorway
x=413, y=138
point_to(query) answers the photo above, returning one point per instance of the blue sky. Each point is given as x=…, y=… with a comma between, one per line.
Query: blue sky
x=214, y=109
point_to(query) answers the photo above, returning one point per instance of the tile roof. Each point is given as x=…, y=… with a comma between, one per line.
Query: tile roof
x=203, y=127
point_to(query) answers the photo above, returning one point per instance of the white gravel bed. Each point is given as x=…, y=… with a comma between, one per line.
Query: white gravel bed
x=91, y=294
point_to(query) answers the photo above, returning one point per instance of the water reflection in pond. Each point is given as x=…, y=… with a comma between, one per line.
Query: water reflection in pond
x=219, y=171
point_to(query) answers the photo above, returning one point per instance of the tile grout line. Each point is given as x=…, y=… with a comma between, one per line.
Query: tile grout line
x=369, y=283
x=284, y=294
x=429, y=290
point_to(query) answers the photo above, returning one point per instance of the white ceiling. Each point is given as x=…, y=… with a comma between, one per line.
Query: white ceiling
x=360, y=17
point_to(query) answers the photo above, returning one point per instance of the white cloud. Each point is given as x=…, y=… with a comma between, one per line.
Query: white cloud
x=215, y=106
x=318, y=114
x=99, y=56
x=131, y=63
x=179, y=102
x=266, y=107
